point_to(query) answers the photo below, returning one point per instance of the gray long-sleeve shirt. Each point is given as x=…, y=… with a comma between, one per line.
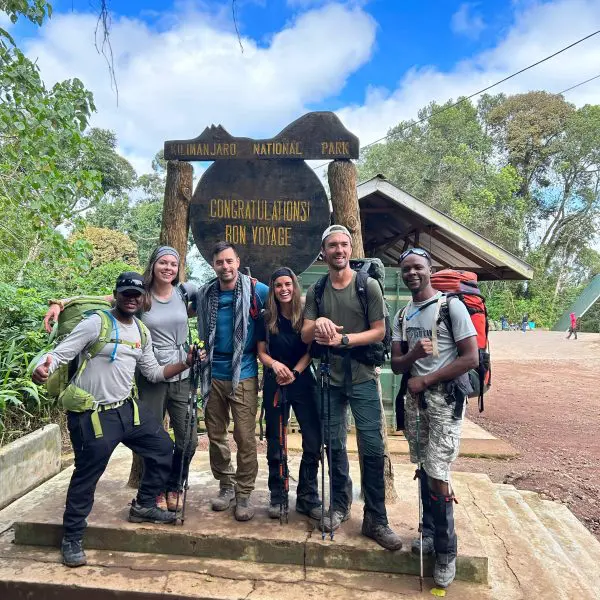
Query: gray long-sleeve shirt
x=108, y=381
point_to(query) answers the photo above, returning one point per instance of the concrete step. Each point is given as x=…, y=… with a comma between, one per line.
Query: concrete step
x=218, y=535
x=35, y=573
x=581, y=547
x=518, y=569
x=553, y=562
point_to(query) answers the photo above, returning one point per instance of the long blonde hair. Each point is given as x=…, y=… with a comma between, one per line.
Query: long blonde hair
x=272, y=305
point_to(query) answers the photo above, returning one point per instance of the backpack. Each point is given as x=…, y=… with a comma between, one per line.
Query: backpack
x=372, y=354
x=74, y=311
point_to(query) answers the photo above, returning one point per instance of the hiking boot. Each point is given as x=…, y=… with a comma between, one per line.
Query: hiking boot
x=427, y=545
x=72, y=553
x=223, y=500
x=174, y=501
x=337, y=518
x=274, y=511
x=149, y=514
x=161, y=501
x=313, y=513
x=381, y=533
x=244, y=511
x=444, y=570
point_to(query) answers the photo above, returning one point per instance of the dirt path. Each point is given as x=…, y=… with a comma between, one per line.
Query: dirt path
x=546, y=402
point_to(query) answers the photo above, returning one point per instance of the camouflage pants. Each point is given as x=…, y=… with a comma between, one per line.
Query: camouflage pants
x=439, y=433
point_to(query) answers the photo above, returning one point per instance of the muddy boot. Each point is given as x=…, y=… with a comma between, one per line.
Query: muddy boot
x=274, y=511
x=381, y=533
x=428, y=527
x=72, y=553
x=445, y=540
x=244, y=511
x=337, y=518
x=149, y=514
x=223, y=500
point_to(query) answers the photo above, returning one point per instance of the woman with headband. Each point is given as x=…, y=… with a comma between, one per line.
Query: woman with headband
x=289, y=381
x=165, y=313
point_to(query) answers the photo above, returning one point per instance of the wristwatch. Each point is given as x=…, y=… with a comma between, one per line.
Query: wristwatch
x=296, y=373
x=345, y=340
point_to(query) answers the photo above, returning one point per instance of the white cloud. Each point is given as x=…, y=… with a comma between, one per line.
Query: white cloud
x=465, y=21
x=539, y=30
x=191, y=73
x=5, y=21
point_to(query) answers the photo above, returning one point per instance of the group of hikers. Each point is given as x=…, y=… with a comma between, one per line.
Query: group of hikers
x=126, y=383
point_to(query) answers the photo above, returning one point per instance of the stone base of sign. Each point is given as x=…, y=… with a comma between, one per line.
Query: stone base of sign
x=28, y=461
x=512, y=544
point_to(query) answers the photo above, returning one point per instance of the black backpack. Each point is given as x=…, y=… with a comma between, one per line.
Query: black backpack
x=373, y=354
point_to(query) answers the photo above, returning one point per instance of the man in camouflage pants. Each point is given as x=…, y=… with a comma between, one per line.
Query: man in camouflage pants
x=436, y=359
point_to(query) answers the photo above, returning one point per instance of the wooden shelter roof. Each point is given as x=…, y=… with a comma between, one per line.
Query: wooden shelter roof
x=393, y=220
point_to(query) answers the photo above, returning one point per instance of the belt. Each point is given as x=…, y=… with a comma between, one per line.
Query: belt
x=103, y=407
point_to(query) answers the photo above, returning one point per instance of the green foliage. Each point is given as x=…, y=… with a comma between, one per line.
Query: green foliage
x=523, y=171
x=107, y=246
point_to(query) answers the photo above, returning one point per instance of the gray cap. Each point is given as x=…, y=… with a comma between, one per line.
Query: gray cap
x=335, y=229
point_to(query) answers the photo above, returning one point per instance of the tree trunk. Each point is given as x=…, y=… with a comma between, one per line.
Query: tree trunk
x=176, y=209
x=341, y=175
x=344, y=199
x=173, y=232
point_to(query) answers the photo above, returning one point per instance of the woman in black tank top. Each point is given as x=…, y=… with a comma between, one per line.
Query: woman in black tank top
x=289, y=382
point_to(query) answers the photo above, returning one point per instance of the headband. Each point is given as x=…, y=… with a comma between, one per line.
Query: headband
x=282, y=272
x=164, y=250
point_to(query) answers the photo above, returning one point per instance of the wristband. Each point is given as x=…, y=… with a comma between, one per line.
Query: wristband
x=296, y=373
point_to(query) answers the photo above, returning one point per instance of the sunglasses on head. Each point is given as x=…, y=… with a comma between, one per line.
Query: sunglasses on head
x=417, y=251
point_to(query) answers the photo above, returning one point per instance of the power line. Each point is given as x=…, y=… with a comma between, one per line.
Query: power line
x=578, y=84
x=489, y=87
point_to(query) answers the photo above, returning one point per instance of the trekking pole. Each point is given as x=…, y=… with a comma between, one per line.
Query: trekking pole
x=323, y=368
x=190, y=421
x=419, y=475
x=329, y=445
x=283, y=462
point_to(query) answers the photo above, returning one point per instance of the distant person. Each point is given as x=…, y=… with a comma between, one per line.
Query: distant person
x=573, y=327
x=102, y=410
x=504, y=323
x=524, y=322
x=434, y=408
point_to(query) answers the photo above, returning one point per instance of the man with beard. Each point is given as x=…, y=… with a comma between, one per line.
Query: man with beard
x=337, y=322
x=102, y=412
x=228, y=308
x=437, y=360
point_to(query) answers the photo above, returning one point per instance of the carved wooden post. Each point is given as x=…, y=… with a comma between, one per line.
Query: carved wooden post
x=342, y=184
x=341, y=175
x=173, y=232
x=176, y=209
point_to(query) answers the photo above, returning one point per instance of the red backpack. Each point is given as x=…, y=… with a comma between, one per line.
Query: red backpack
x=463, y=285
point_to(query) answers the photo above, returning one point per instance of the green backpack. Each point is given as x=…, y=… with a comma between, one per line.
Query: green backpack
x=73, y=312
x=61, y=383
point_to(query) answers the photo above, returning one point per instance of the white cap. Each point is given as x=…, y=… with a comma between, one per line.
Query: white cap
x=335, y=229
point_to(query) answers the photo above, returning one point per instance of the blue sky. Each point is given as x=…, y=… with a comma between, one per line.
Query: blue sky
x=180, y=68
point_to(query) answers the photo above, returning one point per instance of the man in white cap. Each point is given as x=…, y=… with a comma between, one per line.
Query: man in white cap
x=336, y=321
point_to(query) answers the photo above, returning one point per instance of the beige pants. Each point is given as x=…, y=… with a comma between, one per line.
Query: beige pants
x=243, y=405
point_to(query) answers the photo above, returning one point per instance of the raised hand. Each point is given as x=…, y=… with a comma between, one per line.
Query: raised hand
x=40, y=375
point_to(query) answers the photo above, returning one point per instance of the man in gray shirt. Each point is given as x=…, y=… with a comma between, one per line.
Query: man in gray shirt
x=102, y=412
x=436, y=359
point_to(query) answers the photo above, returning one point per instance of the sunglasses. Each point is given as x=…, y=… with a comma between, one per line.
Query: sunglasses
x=417, y=251
x=134, y=282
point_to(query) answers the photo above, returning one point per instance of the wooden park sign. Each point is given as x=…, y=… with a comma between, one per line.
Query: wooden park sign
x=274, y=211
x=316, y=135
